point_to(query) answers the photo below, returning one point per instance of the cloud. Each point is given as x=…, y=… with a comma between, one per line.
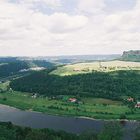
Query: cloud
x=89, y=30
x=63, y=23
x=33, y=3
x=91, y=6
x=25, y=31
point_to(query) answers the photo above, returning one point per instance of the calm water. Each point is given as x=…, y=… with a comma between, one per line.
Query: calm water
x=69, y=124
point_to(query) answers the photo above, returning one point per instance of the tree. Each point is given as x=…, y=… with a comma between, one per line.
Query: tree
x=111, y=131
x=137, y=133
x=89, y=135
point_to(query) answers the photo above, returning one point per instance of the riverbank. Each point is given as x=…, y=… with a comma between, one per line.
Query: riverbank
x=68, y=116
x=60, y=123
x=113, y=111
x=120, y=120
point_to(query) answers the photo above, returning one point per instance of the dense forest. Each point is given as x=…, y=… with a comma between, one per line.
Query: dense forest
x=111, y=131
x=97, y=84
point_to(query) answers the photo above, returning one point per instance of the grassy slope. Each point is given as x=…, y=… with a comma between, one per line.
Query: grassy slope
x=4, y=86
x=80, y=68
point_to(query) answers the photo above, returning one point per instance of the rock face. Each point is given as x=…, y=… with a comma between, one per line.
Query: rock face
x=137, y=52
x=131, y=55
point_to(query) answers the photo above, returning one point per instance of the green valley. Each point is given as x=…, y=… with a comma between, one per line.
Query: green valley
x=91, y=89
x=99, y=94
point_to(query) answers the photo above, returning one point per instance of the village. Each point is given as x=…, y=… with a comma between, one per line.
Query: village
x=131, y=102
x=69, y=99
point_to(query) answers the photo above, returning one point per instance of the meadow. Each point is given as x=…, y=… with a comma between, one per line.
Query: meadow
x=97, y=108
x=106, y=66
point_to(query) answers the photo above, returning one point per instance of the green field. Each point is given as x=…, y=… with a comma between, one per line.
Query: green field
x=97, y=108
x=3, y=86
x=108, y=66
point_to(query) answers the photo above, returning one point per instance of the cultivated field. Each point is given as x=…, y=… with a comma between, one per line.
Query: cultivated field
x=93, y=107
x=96, y=66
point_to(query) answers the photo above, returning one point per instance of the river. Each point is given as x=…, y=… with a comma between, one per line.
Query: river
x=68, y=124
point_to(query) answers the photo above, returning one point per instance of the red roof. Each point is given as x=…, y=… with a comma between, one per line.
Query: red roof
x=130, y=99
x=137, y=105
x=72, y=99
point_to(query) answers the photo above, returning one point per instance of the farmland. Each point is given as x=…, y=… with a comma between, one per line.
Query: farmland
x=98, y=108
x=106, y=66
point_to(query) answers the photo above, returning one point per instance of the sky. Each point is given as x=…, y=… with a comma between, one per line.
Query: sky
x=68, y=27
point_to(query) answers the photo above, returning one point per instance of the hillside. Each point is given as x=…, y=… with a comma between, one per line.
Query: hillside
x=131, y=56
x=10, y=67
x=101, y=66
x=96, y=84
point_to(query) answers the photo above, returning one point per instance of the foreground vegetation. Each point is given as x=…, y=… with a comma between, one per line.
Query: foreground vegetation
x=111, y=131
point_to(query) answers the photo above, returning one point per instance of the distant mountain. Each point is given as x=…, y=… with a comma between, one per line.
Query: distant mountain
x=131, y=55
x=66, y=59
x=8, y=59
x=83, y=58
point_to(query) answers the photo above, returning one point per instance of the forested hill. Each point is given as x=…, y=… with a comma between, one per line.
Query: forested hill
x=97, y=84
x=131, y=56
x=42, y=63
x=9, y=67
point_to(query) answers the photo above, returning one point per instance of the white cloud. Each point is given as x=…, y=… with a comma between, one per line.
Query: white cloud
x=25, y=31
x=51, y=3
x=91, y=6
x=63, y=23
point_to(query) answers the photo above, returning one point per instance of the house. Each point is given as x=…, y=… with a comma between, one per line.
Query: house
x=137, y=105
x=34, y=95
x=77, y=69
x=72, y=100
x=130, y=99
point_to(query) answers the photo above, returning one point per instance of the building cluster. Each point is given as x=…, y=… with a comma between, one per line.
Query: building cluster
x=130, y=99
x=137, y=105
